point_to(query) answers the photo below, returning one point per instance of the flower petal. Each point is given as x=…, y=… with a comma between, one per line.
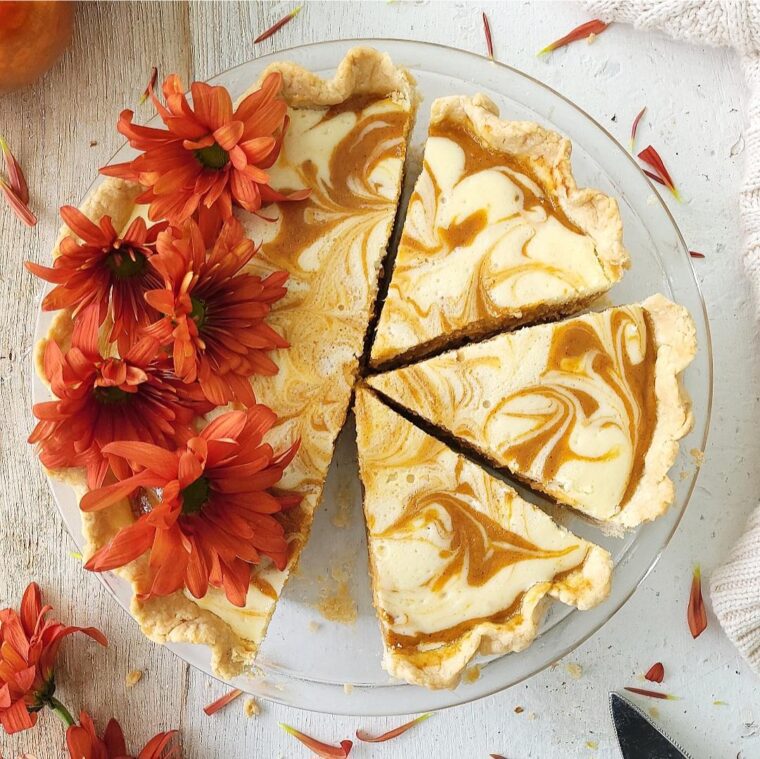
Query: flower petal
x=228, y=134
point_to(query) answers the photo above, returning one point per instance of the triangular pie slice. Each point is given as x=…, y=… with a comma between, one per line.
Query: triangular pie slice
x=588, y=410
x=347, y=142
x=497, y=234
x=460, y=563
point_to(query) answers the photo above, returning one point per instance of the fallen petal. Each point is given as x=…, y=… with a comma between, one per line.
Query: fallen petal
x=656, y=673
x=654, y=177
x=651, y=157
x=579, y=33
x=151, y=84
x=696, y=614
x=325, y=750
x=15, y=174
x=400, y=730
x=18, y=206
x=220, y=703
x=634, y=128
x=276, y=27
x=489, y=39
x=652, y=694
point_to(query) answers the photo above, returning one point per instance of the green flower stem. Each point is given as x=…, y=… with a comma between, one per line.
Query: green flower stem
x=61, y=711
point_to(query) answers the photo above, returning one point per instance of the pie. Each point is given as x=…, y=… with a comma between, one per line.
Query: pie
x=587, y=410
x=347, y=141
x=460, y=563
x=496, y=234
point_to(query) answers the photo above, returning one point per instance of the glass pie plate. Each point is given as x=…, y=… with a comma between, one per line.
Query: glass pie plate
x=311, y=662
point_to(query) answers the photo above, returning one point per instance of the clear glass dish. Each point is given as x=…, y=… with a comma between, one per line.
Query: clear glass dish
x=310, y=662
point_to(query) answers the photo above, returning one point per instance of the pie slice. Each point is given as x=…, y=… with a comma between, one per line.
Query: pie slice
x=589, y=410
x=347, y=142
x=497, y=234
x=460, y=563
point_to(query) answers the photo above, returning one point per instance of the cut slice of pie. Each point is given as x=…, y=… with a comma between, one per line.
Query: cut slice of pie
x=460, y=563
x=588, y=410
x=497, y=234
x=347, y=142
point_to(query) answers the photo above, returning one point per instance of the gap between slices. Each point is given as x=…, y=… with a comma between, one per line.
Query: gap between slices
x=460, y=563
x=588, y=411
x=497, y=234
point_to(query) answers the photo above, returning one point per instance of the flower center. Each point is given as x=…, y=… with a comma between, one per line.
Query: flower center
x=110, y=396
x=198, y=312
x=195, y=495
x=213, y=157
x=126, y=263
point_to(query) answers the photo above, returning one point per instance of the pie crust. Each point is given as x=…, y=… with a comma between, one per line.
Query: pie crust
x=460, y=563
x=497, y=234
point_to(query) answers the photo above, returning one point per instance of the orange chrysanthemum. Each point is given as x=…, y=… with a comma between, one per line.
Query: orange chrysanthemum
x=29, y=644
x=214, y=311
x=100, y=400
x=215, y=517
x=209, y=153
x=83, y=742
x=107, y=269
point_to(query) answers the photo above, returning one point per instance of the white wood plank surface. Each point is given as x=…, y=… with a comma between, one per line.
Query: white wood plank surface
x=695, y=99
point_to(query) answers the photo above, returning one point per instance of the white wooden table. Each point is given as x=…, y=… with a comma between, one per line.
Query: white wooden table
x=63, y=130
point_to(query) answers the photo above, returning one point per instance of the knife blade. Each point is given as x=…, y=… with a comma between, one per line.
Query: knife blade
x=638, y=737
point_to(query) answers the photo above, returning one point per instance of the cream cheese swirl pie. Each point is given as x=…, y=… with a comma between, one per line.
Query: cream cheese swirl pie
x=460, y=563
x=215, y=302
x=588, y=410
x=346, y=141
x=496, y=234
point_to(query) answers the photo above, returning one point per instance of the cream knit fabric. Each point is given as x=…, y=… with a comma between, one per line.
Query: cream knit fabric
x=735, y=586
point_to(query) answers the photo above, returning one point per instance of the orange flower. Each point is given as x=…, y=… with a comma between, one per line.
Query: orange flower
x=109, y=270
x=99, y=400
x=214, y=312
x=29, y=644
x=209, y=153
x=83, y=742
x=215, y=517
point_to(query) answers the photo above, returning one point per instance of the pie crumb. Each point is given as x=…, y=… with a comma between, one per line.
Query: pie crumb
x=314, y=626
x=519, y=710
x=348, y=689
x=336, y=603
x=698, y=456
x=342, y=515
x=574, y=670
x=590, y=39
x=251, y=708
x=472, y=674
x=593, y=745
x=133, y=678
x=533, y=715
x=654, y=712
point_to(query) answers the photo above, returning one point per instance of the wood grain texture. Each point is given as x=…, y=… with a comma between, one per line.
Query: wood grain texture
x=694, y=99
x=50, y=127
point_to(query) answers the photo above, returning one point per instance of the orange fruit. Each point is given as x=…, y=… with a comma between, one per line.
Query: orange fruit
x=32, y=37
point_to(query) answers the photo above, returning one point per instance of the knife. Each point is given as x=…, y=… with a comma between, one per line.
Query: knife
x=638, y=737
